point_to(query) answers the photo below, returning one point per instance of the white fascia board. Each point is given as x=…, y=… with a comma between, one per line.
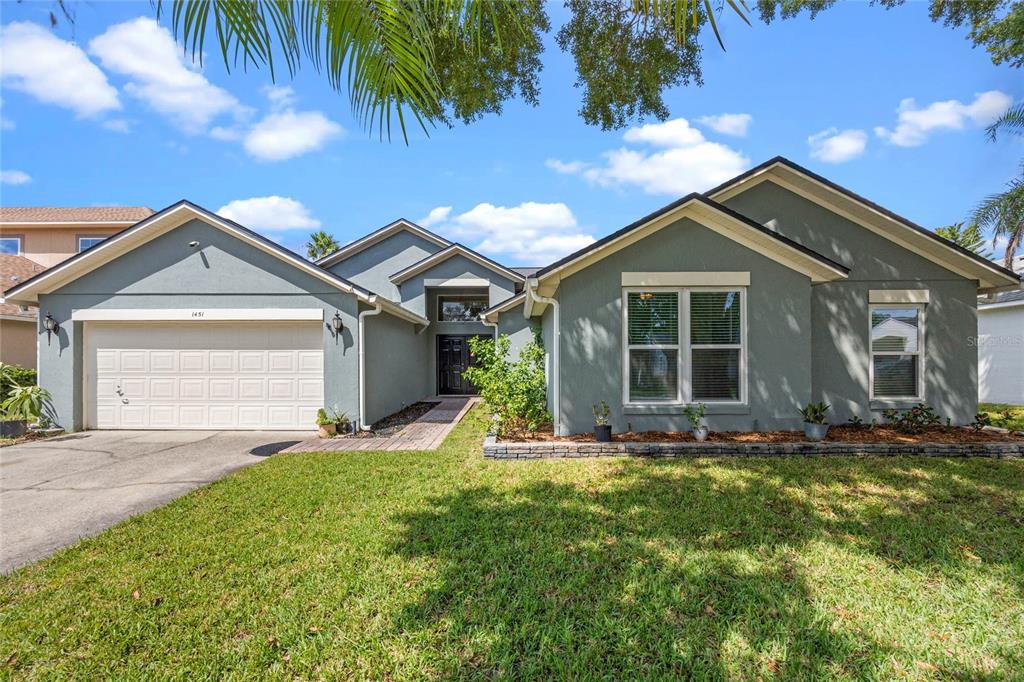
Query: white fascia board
x=686, y=279
x=449, y=252
x=196, y=314
x=378, y=236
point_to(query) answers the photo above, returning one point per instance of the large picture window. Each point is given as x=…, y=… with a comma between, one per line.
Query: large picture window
x=460, y=308
x=671, y=363
x=896, y=344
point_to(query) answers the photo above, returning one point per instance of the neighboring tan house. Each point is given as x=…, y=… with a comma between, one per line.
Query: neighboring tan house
x=1001, y=345
x=35, y=238
x=754, y=298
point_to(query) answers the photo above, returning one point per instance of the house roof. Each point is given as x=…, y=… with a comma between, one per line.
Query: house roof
x=507, y=304
x=867, y=213
x=59, y=215
x=448, y=252
x=352, y=248
x=796, y=255
x=13, y=271
x=526, y=271
x=1005, y=299
x=166, y=220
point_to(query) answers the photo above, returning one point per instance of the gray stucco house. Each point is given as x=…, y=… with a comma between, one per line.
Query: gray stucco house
x=771, y=290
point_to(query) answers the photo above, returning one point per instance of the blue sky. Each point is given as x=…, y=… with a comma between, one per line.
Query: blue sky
x=883, y=102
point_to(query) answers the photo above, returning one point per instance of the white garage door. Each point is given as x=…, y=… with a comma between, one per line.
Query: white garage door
x=204, y=375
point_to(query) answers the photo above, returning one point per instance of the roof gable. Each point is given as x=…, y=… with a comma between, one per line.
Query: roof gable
x=711, y=215
x=161, y=223
x=449, y=252
x=870, y=216
x=380, y=235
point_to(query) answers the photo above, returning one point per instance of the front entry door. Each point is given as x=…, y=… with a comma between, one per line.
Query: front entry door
x=453, y=357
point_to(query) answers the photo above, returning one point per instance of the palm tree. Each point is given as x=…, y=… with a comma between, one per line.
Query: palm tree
x=382, y=52
x=321, y=244
x=1003, y=212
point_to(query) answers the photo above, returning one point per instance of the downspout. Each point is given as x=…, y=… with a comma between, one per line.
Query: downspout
x=531, y=292
x=363, y=426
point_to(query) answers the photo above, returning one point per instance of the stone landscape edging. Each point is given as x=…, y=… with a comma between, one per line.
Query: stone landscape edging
x=494, y=449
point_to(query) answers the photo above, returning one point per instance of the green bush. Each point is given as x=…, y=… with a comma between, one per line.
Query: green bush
x=515, y=392
x=915, y=420
x=31, y=403
x=13, y=375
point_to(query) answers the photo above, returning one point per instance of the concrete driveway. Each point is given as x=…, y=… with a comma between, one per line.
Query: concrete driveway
x=56, y=491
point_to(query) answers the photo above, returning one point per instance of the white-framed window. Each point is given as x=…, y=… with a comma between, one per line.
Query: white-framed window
x=466, y=308
x=88, y=242
x=897, y=351
x=10, y=246
x=684, y=345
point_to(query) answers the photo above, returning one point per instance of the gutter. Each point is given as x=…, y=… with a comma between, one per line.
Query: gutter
x=363, y=426
x=553, y=380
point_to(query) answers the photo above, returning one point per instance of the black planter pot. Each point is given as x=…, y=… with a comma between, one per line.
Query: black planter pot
x=13, y=428
x=603, y=433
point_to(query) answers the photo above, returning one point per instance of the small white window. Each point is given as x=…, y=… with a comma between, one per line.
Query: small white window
x=460, y=308
x=652, y=346
x=897, y=344
x=88, y=242
x=10, y=246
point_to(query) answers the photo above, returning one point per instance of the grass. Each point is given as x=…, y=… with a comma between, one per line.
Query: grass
x=444, y=565
x=998, y=411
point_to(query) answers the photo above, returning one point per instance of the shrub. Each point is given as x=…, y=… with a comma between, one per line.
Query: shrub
x=914, y=420
x=29, y=403
x=515, y=392
x=815, y=413
x=601, y=413
x=13, y=375
x=694, y=414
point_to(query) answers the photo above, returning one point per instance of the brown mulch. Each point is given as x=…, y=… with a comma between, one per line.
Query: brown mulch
x=836, y=434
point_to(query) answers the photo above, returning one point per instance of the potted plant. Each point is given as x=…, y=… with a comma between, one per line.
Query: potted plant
x=23, y=404
x=695, y=415
x=602, y=429
x=326, y=425
x=342, y=424
x=815, y=426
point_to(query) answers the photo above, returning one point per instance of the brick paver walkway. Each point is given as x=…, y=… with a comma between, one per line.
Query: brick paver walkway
x=426, y=433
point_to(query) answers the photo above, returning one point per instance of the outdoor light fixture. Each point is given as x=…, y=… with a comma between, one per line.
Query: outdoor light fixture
x=51, y=326
x=336, y=323
x=193, y=244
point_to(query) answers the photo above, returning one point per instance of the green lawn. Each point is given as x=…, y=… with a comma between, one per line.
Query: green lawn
x=442, y=565
x=998, y=413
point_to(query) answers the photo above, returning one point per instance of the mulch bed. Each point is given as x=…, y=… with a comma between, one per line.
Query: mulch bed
x=836, y=434
x=393, y=423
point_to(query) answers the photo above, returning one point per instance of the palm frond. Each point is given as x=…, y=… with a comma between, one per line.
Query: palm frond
x=1012, y=121
x=685, y=16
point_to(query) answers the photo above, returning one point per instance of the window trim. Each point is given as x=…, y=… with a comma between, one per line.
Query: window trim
x=684, y=390
x=442, y=297
x=920, y=397
x=79, y=238
x=21, y=243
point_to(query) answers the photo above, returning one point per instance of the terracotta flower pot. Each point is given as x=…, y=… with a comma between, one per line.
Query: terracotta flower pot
x=327, y=430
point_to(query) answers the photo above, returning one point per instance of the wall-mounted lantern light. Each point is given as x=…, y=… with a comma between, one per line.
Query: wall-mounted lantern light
x=336, y=324
x=51, y=326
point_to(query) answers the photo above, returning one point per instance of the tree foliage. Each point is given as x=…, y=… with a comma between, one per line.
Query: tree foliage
x=515, y=391
x=968, y=236
x=321, y=244
x=1003, y=212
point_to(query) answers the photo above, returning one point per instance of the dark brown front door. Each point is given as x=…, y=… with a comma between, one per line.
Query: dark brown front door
x=453, y=358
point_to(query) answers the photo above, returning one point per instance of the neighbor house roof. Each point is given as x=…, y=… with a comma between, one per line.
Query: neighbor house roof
x=166, y=220
x=127, y=215
x=870, y=215
x=715, y=216
x=13, y=271
x=380, y=235
x=1005, y=299
x=449, y=252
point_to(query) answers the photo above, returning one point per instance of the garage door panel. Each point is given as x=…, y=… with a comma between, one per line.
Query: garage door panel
x=198, y=375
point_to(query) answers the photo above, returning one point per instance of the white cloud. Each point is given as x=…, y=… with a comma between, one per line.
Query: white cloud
x=159, y=75
x=286, y=134
x=915, y=124
x=55, y=71
x=689, y=163
x=728, y=124
x=531, y=233
x=117, y=125
x=436, y=215
x=270, y=213
x=14, y=177
x=832, y=146
x=280, y=96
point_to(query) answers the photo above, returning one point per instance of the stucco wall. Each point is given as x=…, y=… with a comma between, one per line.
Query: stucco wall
x=395, y=357
x=372, y=267
x=18, y=342
x=778, y=334
x=223, y=272
x=840, y=309
x=414, y=290
x=52, y=244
